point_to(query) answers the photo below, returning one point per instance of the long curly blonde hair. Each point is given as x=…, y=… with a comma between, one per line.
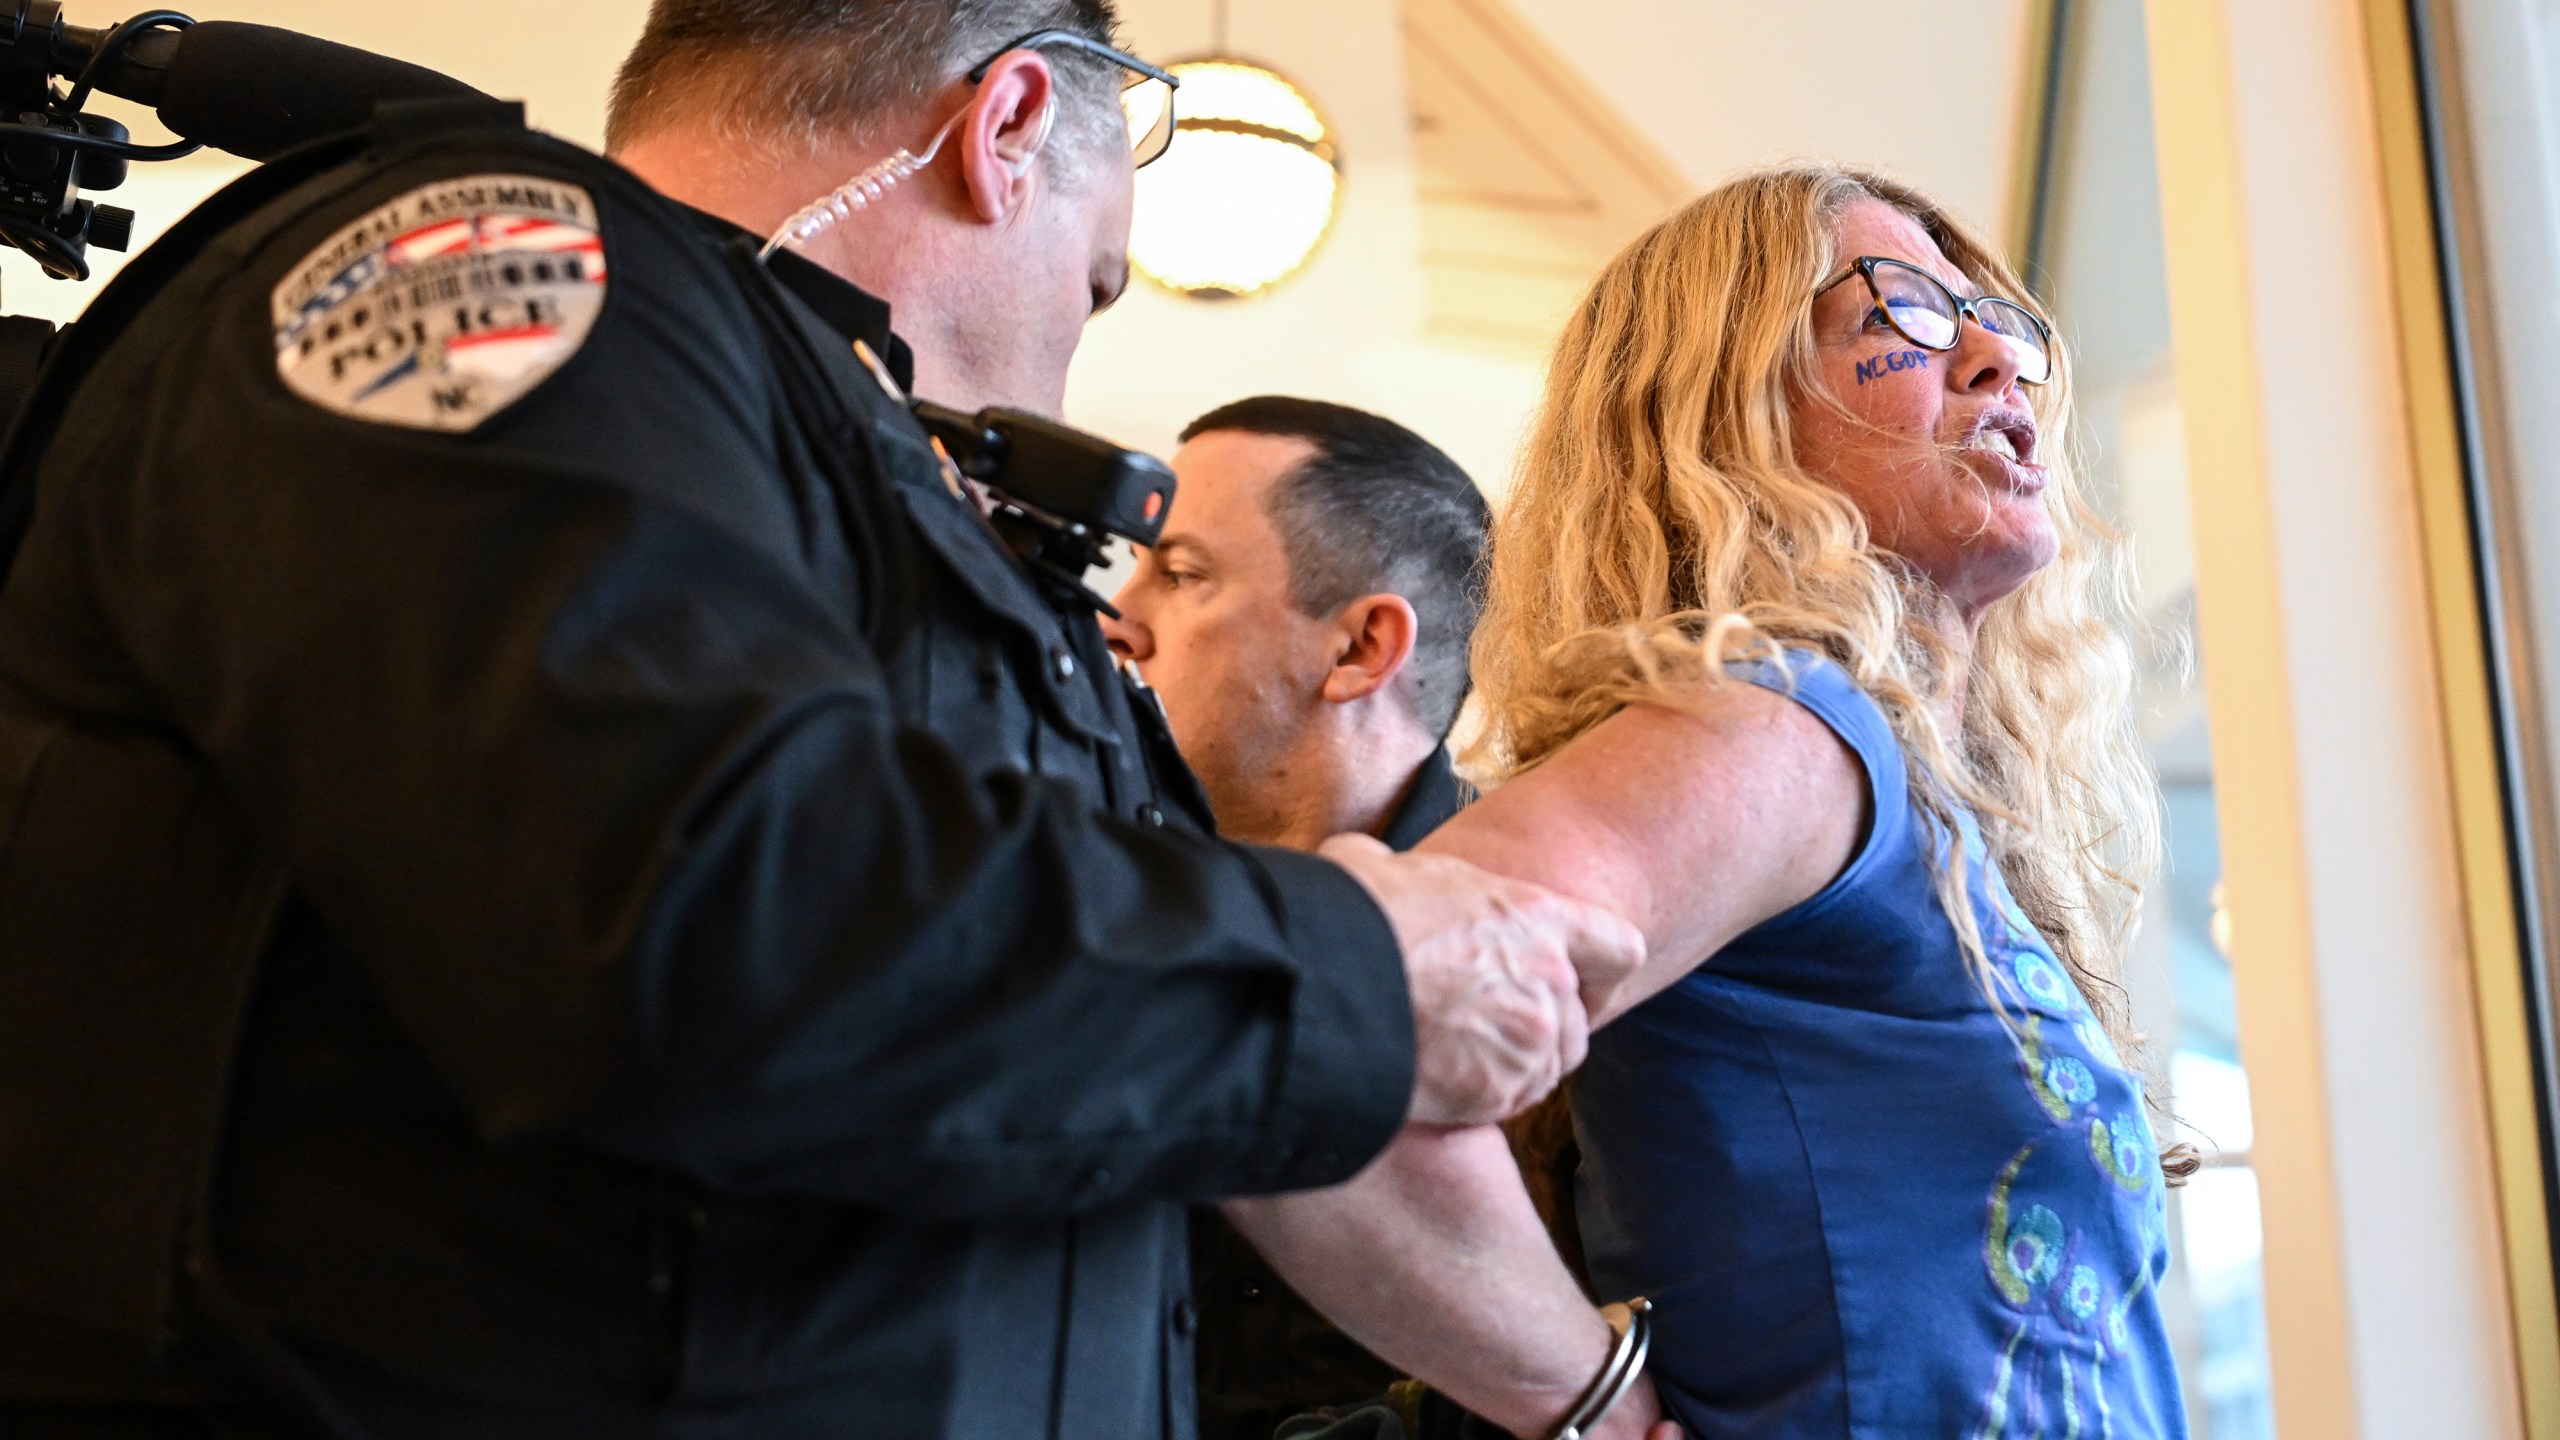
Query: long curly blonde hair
x=1661, y=525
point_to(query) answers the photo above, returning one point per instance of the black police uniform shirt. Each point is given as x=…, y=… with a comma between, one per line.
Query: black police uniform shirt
x=1264, y=1353
x=708, y=958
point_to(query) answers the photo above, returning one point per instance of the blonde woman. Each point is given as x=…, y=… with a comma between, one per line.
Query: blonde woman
x=1802, y=654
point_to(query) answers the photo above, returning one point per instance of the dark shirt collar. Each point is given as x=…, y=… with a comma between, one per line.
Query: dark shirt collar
x=846, y=308
x=1433, y=795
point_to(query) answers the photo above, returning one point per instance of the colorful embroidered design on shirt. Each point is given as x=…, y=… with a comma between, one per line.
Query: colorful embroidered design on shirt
x=2051, y=1376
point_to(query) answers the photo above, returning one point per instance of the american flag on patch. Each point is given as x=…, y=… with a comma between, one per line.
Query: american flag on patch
x=497, y=234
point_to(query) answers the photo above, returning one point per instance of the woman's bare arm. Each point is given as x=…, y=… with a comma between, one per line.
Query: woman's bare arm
x=1693, y=824
x=1433, y=1259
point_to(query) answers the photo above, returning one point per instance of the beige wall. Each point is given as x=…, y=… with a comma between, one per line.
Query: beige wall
x=2387, y=1308
x=1929, y=89
x=1349, y=326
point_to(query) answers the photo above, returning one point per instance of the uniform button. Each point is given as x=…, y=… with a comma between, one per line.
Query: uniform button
x=1252, y=1290
x=660, y=1282
x=698, y=1219
x=1062, y=664
x=1186, y=1317
x=1150, y=815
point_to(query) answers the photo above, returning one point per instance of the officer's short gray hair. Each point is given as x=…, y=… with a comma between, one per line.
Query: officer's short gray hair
x=790, y=74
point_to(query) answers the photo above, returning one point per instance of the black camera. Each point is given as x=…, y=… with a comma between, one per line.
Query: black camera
x=51, y=150
x=253, y=90
x=1059, y=493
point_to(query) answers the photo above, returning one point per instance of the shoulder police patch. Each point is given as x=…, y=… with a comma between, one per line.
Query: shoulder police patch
x=443, y=307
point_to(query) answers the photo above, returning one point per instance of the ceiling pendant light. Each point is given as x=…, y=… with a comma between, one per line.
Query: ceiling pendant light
x=1248, y=188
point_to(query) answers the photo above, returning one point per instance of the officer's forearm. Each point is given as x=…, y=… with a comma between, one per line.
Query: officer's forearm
x=1434, y=1258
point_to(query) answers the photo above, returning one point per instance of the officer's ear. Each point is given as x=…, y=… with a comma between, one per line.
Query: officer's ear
x=1374, y=637
x=1005, y=132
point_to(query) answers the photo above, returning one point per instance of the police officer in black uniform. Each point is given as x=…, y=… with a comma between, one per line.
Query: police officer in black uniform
x=557, y=879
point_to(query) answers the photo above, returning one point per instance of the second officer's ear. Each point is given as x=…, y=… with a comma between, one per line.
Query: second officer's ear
x=1373, y=637
x=1005, y=132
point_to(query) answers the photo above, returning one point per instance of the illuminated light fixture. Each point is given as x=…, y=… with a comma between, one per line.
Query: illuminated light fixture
x=1248, y=188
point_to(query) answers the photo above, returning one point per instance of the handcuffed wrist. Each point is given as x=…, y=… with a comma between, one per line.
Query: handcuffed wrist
x=1632, y=1324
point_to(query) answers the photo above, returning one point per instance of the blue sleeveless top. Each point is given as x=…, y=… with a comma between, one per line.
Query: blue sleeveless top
x=1861, y=1206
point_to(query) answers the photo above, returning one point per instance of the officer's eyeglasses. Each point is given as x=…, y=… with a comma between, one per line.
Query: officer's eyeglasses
x=1922, y=310
x=1146, y=101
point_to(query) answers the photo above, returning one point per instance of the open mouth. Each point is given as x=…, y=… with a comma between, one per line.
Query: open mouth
x=2009, y=436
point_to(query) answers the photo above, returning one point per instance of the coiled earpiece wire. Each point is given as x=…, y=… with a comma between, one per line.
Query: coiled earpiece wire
x=869, y=186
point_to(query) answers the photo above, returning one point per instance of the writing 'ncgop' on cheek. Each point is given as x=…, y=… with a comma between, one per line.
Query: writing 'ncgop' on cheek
x=1886, y=364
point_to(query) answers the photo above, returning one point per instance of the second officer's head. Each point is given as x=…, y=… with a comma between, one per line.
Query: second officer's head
x=993, y=255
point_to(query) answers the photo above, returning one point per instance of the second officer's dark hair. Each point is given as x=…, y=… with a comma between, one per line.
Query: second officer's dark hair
x=1377, y=509
x=791, y=72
